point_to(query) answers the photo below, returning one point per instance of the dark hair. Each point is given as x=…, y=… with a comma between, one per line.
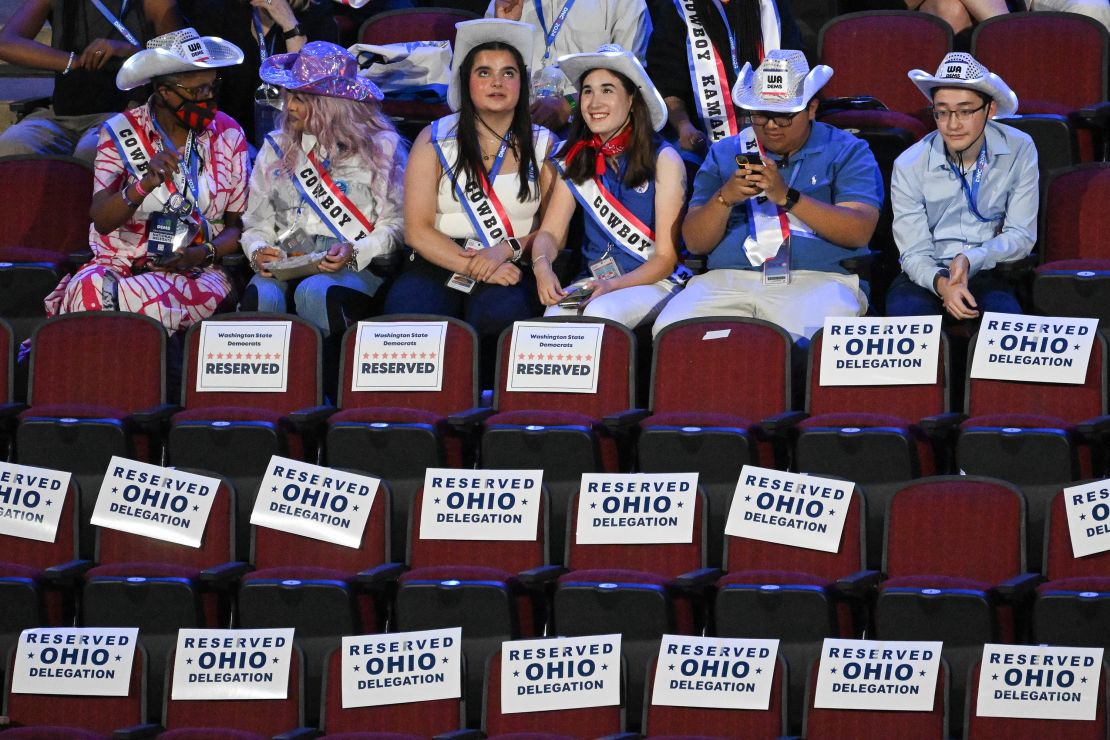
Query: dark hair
x=987, y=99
x=469, y=159
x=640, y=164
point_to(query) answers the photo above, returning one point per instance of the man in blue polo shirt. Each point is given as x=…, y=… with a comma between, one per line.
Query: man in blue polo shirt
x=778, y=206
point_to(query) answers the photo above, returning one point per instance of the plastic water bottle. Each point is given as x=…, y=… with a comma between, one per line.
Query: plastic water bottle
x=547, y=82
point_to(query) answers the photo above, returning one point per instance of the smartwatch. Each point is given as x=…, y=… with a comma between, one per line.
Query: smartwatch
x=792, y=196
x=293, y=33
x=518, y=251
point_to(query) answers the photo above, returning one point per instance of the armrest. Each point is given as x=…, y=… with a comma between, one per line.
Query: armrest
x=11, y=410
x=380, y=576
x=1094, y=429
x=623, y=421
x=467, y=421
x=460, y=735
x=1095, y=116
x=308, y=420
x=233, y=261
x=698, y=580
x=1018, y=588
x=861, y=260
x=941, y=425
x=860, y=584
x=156, y=418
x=78, y=258
x=696, y=263
x=386, y=265
x=66, y=575
x=138, y=732
x=1014, y=268
x=621, y=736
x=301, y=733
x=224, y=575
x=781, y=424
x=536, y=577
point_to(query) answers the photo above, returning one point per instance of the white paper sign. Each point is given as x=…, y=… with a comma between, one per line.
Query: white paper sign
x=156, y=502
x=31, y=501
x=880, y=351
x=1034, y=349
x=242, y=356
x=1088, y=508
x=401, y=667
x=560, y=673
x=399, y=356
x=81, y=661
x=878, y=675
x=636, y=508
x=232, y=664
x=1039, y=682
x=715, y=672
x=789, y=508
x=313, y=501
x=555, y=357
x=480, y=504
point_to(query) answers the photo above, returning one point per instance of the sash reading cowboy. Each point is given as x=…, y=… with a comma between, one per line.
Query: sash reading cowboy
x=232, y=664
x=789, y=508
x=555, y=357
x=880, y=351
x=481, y=504
x=1088, y=509
x=636, y=508
x=401, y=667
x=313, y=501
x=250, y=356
x=31, y=501
x=77, y=661
x=877, y=675
x=714, y=672
x=1039, y=682
x=1035, y=349
x=399, y=356
x=560, y=673
x=156, y=502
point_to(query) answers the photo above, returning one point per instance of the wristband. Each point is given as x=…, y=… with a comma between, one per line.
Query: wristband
x=139, y=188
x=130, y=203
x=352, y=261
x=539, y=257
x=293, y=33
x=69, y=63
x=210, y=254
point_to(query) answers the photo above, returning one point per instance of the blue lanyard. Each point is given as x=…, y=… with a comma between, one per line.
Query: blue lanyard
x=191, y=163
x=123, y=30
x=256, y=20
x=731, y=38
x=971, y=193
x=556, y=26
x=498, y=161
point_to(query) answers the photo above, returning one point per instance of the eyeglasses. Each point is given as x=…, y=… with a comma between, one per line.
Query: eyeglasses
x=782, y=120
x=200, y=92
x=960, y=114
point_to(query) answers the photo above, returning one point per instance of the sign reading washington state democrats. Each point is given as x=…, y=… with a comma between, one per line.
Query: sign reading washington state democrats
x=480, y=504
x=878, y=675
x=250, y=356
x=83, y=661
x=636, y=508
x=156, y=502
x=715, y=672
x=401, y=667
x=789, y=508
x=399, y=356
x=551, y=357
x=313, y=501
x=31, y=501
x=1088, y=510
x=232, y=664
x=880, y=351
x=560, y=673
x=1034, y=349
x=1039, y=682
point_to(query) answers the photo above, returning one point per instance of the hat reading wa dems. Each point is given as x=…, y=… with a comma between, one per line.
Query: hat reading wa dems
x=177, y=52
x=320, y=68
x=784, y=83
x=963, y=71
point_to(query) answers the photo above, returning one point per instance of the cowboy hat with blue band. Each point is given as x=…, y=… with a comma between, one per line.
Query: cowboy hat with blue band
x=961, y=70
x=616, y=59
x=177, y=52
x=784, y=83
x=319, y=68
x=475, y=33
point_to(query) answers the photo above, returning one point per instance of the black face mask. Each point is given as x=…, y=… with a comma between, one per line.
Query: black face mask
x=194, y=114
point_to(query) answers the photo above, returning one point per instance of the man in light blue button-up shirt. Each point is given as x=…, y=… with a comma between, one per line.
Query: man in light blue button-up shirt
x=965, y=198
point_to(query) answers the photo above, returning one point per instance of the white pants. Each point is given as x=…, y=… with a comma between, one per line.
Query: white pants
x=628, y=306
x=800, y=307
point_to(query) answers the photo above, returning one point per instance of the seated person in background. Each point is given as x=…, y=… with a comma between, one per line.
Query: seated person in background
x=696, y=86
x=88, y=45
x=614, y=160
x=1097, y=9
x=171, y=185
x=960, y=14
x=562, y=27
x=474, y=188
x=965, y=198
x=784, y=181
x=330, y=179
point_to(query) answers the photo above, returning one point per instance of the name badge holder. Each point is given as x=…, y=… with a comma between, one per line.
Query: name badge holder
x=776, y=271
x=176, y=226
x=605, y=268
x=460, y=282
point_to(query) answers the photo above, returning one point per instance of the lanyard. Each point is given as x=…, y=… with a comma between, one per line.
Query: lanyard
x=971, y=193
x=256, y=21
x=108, y=16
x=498, y=161
x=189, y=163
x=556, y=26
x=731, y=38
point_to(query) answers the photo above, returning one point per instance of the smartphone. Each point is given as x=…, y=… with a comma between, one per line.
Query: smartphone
x=745, y=160
x=576, y=298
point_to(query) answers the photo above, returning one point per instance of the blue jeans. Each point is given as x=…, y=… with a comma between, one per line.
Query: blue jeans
x=992, y=292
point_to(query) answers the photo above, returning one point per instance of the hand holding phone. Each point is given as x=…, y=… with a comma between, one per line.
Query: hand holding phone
x=577, y=297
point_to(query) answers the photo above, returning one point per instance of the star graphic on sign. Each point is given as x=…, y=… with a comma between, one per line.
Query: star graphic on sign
x=520, y=356
x=356, y=507
x=531, y=356
x=356, y=668
x=516, y=674
x=209, y=355
x=375, y=355
x=1082, y=517
x=1077, y=346
x=267, y=355
x=239, y=356
x=49, y=502
x=593, y=505
x=394, y=356
x=680, y=504
x=196, y=508
x=994, y=677
x=578, y=357
x=423, y=355
x=30, y=655
x=558, y=357
x=589, y=357
x=604, y=667
x=273, y=489
x=445, y=660
x=115, y=490
x=832, y=512
x=1083, y=680
x=836, y=346
x=273, y=660
x=366, y=355
x=832, y=670
x=188, y=661
x=119, y=658
x=990, y=342
x=219, y=355
x=922, y=673
x=277, y=355
x=747, y=498
x=924, y=346
x=432, y=355
x=550, y=356
x=758, y=671
x=670, y=667
x=437, y=500
x=524, y=502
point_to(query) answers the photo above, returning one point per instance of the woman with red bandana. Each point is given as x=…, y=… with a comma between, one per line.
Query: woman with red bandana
x=170, y=186
x=630, y=184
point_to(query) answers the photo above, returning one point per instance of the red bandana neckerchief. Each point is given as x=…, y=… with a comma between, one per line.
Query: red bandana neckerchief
x=602, y=149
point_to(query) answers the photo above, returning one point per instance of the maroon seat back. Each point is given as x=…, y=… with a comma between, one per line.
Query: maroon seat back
x=413, y=24
x=33, y=189
x=41, y=555
x=1075, y=219
x=989, y=728
x=1060, y=560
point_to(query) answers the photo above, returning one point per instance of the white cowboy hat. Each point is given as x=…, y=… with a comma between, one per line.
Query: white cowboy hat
x=474, y=33
x=784, y=83
x=617, y=59
x=174, y=53
x=962, y=70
